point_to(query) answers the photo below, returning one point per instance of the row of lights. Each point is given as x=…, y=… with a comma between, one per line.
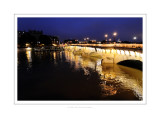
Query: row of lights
x=86, y=39
x=114, y=34
x=130, y=53
x=106, y=35
x=120, y=52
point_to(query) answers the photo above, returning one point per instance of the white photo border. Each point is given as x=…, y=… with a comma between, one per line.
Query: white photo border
x=100, y=102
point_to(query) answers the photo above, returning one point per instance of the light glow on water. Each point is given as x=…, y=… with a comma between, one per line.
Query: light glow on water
x=28, y=53
x=84, y=75
x=115, y=74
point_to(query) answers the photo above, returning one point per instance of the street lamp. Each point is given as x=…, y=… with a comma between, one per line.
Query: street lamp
x=106, y=35
x=135, y=38
x=115, y=34
x=86, y=39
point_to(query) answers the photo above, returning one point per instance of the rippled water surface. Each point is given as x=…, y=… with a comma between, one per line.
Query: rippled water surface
x=61, y=75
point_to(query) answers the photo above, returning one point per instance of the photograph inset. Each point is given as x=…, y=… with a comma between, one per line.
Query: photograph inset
x=79, y=58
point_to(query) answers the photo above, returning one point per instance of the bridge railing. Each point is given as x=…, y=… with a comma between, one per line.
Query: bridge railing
x=111, y=45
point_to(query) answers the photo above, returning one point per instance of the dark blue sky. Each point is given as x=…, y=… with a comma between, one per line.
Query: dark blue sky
x=94, y=28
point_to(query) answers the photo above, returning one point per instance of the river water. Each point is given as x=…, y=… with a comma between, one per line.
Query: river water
x=61, y=75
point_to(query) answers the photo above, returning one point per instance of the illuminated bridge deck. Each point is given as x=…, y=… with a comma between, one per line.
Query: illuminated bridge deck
x=130, y=47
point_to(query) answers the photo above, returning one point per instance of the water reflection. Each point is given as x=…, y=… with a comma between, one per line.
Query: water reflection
x=29, y=58
x=28, y=54
x=54, y=55
x=61, y=75
x=115, y=79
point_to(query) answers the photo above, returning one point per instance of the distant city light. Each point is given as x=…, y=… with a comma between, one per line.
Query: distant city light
x=119, y=41
x=93, y=41
x=28, y=48
x=110, y=39
x=27, y=44
x=54, y=44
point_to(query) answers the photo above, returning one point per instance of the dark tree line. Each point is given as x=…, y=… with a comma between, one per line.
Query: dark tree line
x=35, y=40
x=26, y=38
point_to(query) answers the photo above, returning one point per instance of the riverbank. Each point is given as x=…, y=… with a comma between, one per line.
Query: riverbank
x=43, y=48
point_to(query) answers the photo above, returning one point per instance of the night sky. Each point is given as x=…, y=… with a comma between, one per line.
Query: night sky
x=79, y=28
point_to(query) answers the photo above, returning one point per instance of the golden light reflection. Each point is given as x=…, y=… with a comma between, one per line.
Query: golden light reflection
x=127, y=78
x=107, y=51
x=108, y=90
x=54, y=44
x=77, y=62
x=28, y=54
x=61, y=55
x=54, y=55
x=113, y=51
x=27, y=44
x=103, y=51
x=28, y=48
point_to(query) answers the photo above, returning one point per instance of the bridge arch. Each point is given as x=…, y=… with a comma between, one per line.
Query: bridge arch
x=119, y=55
x=110, y=54
x=132, y=63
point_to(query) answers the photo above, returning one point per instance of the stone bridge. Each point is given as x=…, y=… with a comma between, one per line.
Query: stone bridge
x=109, y=53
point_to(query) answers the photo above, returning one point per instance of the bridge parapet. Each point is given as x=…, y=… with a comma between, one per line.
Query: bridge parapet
x=140, y=46
x=108, y=55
